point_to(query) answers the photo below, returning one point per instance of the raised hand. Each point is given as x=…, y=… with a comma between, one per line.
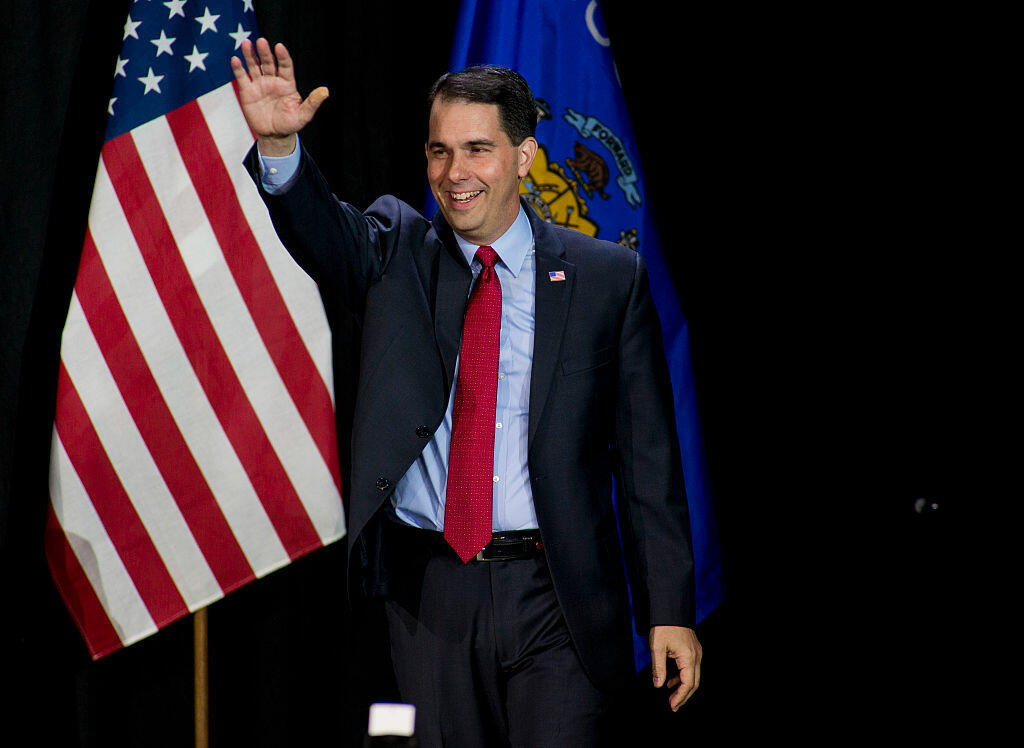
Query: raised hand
x=270, y=100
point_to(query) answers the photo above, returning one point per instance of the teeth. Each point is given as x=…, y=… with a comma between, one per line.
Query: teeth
x=465, y=195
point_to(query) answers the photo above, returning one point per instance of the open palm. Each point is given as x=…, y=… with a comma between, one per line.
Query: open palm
x=267, y=92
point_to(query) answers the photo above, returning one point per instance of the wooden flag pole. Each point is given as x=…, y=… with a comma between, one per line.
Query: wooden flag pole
x=202, y=678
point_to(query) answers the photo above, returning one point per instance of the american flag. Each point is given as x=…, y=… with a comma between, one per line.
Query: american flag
x=193, y=447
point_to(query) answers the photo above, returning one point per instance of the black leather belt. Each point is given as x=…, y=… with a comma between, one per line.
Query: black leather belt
x=510, y=545
x=505, y=545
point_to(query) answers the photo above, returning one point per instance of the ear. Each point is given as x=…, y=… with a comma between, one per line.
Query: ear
x=527, y=152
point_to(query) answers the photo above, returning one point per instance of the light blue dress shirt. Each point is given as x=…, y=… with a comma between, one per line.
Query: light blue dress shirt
x=280, y=171
x=419, y=496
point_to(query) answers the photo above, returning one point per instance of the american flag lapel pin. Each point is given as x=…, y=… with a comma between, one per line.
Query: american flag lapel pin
x=556, y=275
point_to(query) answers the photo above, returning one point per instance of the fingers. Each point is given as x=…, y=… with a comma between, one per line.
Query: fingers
x=268, y=65
x=251, y=63
x=261, y=60
x=285, y=66
x=242, y=71
x=687, y=684
x=658, y=656
x=239, y=70
x=688, y=680
x=681, y=645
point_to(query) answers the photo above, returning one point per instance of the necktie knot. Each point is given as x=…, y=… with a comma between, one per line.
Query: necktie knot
x=487, y=256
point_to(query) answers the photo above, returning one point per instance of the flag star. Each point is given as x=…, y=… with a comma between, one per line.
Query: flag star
x=175, y=7
x=247, y=5
x=129, y=28
x=208, y=21
x=195, y=60
x=110, y=105
x=239, y=35
x=120, y=67
x=163, y=44
x=152, y=82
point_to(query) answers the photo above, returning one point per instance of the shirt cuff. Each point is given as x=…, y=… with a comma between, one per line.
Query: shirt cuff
x=280, y=171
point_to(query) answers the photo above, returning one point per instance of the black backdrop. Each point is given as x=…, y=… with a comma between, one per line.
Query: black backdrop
x=801, y=164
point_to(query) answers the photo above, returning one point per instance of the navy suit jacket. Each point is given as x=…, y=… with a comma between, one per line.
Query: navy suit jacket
x=395, y=287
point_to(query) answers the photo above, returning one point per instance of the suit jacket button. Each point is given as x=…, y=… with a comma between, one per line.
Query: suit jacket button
x=383, y=483
x=422, y=432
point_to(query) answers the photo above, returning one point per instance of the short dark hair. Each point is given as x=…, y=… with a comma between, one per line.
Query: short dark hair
x=490, y=84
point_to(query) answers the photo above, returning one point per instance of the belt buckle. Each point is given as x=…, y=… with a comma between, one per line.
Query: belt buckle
x=481, y=557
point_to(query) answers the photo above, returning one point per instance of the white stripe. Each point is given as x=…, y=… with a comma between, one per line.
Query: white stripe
x=233, y=325
x=231, y=134
x=177, y=382
x=133, y=462
x=103, y=567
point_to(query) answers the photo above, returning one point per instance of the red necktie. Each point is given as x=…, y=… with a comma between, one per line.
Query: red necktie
x=470, y=490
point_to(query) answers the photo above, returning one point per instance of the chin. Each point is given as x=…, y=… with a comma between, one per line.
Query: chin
x=460, y=221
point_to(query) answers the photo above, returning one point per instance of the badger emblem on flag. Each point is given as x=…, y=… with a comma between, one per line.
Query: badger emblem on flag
x=560, y=194
x=594, y=168
x=592, y=126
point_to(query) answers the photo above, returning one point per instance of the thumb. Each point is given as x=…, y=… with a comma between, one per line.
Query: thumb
x=317, y=97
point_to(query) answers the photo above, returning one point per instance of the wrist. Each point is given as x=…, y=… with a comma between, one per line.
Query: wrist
x=276, y=145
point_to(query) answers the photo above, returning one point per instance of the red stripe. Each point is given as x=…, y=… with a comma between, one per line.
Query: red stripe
x=157, y=426
x=115, y=509
x=199, y=340
x=79, y=596
x=254, y=279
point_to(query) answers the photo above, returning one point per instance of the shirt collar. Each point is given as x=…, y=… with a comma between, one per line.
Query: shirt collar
x=511, y=247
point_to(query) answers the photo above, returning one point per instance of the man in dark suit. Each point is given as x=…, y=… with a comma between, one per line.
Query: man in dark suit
x=507, y=369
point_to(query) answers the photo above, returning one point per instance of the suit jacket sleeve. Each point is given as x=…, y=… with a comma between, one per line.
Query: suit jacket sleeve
x=652, y=499
x=341, y=248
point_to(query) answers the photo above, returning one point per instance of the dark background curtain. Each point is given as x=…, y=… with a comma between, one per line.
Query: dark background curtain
x=804, y=171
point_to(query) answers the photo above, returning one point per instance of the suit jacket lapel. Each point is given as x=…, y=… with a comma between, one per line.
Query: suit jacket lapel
x=453, y=281
x=552, y=311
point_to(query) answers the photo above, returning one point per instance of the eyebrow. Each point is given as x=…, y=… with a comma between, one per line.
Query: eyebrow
x=468, y=144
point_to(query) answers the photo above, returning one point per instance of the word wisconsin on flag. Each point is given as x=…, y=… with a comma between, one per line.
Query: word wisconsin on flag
x=587, y=176
x=194, y=446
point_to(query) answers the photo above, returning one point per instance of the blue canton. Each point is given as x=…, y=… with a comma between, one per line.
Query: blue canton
x=172, y=53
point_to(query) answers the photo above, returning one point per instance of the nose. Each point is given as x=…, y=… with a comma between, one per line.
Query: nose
x=458, y=168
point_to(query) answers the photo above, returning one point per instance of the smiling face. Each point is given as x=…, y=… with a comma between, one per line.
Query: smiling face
x=474, y=170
